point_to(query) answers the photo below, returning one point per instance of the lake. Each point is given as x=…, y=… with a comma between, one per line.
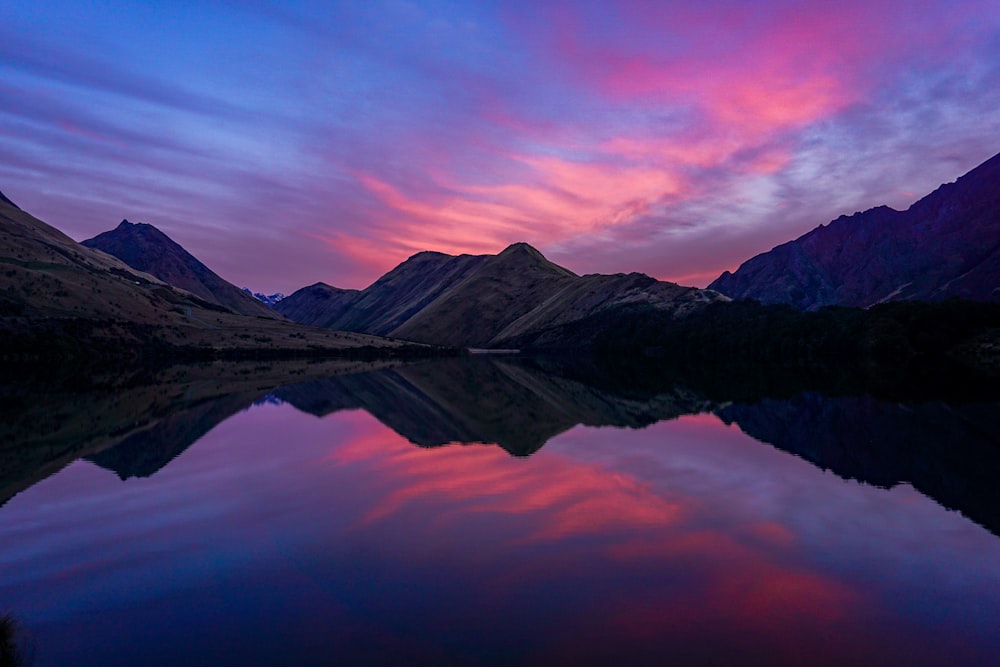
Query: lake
x=494, y=511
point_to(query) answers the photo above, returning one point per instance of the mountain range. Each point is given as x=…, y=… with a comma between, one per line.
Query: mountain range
x=484, y=301
x=62, y=298
x=433, y=298
x=945, y=245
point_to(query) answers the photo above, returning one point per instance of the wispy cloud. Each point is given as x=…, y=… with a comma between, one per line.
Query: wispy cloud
x=335, y=140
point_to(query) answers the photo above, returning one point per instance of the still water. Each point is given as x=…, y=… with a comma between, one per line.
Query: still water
x=484, y=512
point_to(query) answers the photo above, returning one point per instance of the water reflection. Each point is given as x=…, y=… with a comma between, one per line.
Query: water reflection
x=514, y=405
x=281, y=538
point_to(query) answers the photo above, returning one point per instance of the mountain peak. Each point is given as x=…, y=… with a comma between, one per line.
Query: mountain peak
x=428, y=254
x=518, y=256
x=145, y=248
x=521, y=247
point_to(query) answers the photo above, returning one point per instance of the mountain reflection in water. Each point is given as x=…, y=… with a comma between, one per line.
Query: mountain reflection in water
x=336, y=538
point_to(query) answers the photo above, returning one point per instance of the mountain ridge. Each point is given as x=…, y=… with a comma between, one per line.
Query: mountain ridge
x=146, y=248
x=60, y=299
x=947, y=244
x=481, y=300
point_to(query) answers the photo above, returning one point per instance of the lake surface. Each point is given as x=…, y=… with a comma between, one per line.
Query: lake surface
x=495, y=512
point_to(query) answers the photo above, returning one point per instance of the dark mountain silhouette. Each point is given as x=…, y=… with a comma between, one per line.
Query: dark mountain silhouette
x=406, y=290
x=483, y=300
x=945, y=245
x=146, y=248
x=590, y=306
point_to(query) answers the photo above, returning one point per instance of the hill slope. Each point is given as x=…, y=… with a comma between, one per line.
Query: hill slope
x=146, y=248
x=945, y=245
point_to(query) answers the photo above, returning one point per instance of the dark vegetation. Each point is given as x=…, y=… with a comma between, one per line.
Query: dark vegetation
x=14, y=645
x=914, y=343
x=56, y=341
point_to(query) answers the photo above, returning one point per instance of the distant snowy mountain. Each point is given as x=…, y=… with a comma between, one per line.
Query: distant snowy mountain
x=269, y=299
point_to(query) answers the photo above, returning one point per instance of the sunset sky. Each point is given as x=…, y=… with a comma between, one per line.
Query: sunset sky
x=285, y=143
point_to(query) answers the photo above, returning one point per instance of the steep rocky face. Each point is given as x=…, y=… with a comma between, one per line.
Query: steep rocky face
x=945, y=245
x=484, y=300
x=146, y=248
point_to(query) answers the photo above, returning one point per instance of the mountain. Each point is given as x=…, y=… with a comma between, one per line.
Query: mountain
x=945, y=245
x=388, y=302
x=557, y=322
x=269, y=299
x=59, y=298
x=482, y=300
x=318, y=305
x=47, y=274
x=146, y=248
x=502, y=289
x=3, y=198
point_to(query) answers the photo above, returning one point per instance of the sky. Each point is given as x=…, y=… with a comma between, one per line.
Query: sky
x=284, y=143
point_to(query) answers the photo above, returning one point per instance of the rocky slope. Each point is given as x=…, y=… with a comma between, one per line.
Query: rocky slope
x=146, y=248
x=482, y=301
x=945, y=245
